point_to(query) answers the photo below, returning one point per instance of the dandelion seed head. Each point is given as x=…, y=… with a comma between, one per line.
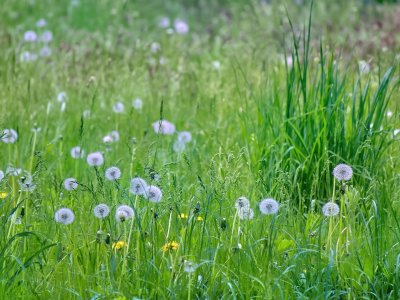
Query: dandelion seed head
x=64, y=216
x=86, y=113
x=101, y=211
x=138, y=186
x=30, y=36
x=62, y=96
x=155, y=47
x=95, y=159
x=153, y=194
x=25, y=177
x=77, y=152
x=70, y=184
x=330, y=209
x=137, y=103
x=389, y=113
x=118, y=107
x=45, y=51
x=113, y=173
x=216, y=64
x=166, y=127
x=181, y=27
x=107, y=139
x=269, y=206
x=9, y=136
x=343, y=172
x=47, y=36
x=28, y=186
x=246, y=214
x=120, y=216
x=185, y=136
x=129, y=213
x=13, y=171
x=114, y=135
x=41, y=23
x=189, y=266
x=179, y=146
x=164, y=22
x=26, y=56
x=242, y=203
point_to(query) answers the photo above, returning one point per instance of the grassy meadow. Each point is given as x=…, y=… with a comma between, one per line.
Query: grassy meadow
x=208, y=102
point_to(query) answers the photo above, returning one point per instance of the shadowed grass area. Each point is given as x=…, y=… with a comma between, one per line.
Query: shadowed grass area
x=273, y=100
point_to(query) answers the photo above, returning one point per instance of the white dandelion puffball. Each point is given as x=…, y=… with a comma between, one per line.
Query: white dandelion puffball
x=396, y=131
x=26, y=177
x=389, y=113
x=26, y=56
x=155, y=47
x=169, y=31
x=330, y=209
x=121, y=216
x=185, y=137
x=181, y=27
x=129, y=213
x=189, y=266
x=114, y=135
x=343, y=172
x=47, y=36
x=118, y=107
x=242, y=203
x=101, y=210
x=137, y=103
x=30, y=36
x=86, y=113
x=153, y=194
x=216, y=64
x=164, y=22
x=28, y=186
x=64, y=216
x=9, y=136
x=13, y=171
x=138, y=186
x=246, y=214
x=70, y=184
x=269, y=206
x=45, y=51
x=1, y=175
x=107, y=139
x=62, y=96
x=179, y=146
x=95, y=159
x=77, y=152
x=165, y=128
x=113, y=173
x=41, y=23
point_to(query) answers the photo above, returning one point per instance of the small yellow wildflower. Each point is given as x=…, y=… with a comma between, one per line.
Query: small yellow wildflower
x=118, y=245
x=170, y=246
x=3, y=195
x=200, y=218
x=182, y=216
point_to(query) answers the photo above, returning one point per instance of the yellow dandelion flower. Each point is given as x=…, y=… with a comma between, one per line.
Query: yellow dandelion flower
x=118, y=245
x=183, y=216
x=3, y=195
x=200, y=218
x=170, y=246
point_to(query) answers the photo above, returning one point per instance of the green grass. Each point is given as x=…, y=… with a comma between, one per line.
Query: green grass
x=260, y=129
